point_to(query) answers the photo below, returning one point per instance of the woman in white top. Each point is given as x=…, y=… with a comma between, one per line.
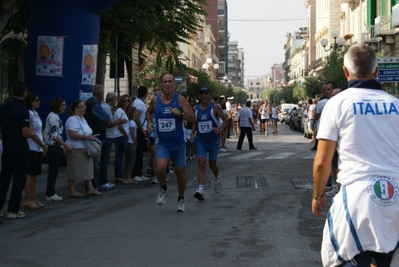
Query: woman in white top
x=130, y=154
x=79, y=164
x=36, y=146
x=123, y=107
x=274, y=110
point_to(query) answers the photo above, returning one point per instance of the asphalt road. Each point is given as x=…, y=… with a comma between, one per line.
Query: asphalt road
x=261, y=218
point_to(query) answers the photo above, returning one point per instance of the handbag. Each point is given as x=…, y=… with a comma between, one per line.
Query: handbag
x=92, y=147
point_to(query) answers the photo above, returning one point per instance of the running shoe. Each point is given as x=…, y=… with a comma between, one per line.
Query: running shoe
x=332, y=192
x=199, y=195
x=217, y=186
x=161, y=199
x=180, y=205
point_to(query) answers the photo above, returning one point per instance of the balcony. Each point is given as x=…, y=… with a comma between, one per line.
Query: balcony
x=383, y=26
x=395, y=16
x=369, y=35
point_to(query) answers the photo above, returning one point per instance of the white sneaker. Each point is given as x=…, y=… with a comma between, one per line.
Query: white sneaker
x=217, y=186
x=109, y=186
x=12, y=215
x=54, y=198
x=161, y=199
x=222, y=149
x=333, y=191
x=154, y=180
x=180, y=205
x=140, y=178
x=167, y=177
x=266, y=134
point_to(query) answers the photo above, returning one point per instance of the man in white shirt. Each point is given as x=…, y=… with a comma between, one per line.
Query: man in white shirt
x=140, y=106
x=362, y=124
x=246, y=126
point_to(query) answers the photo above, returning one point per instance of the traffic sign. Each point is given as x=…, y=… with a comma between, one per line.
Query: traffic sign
x=388, y=69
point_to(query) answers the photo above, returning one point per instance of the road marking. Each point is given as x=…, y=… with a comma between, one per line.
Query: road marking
x=247, y=155
x=280, y=156
x=311, y=156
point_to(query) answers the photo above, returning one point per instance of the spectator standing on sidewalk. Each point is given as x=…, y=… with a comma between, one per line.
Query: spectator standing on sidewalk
x=79, y=164
x=56, y=146
x=362, y=123
x=326, y=91
x=170, y=110
x=140, y=119
x=311, y=120
x=111, y=128
x=37, y=146
x=98, y=120
x=206, y=131
x=14, y=118
x=246, y=126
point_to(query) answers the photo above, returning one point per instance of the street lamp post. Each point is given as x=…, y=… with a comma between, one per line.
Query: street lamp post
x=209, y=66
x=338, y=42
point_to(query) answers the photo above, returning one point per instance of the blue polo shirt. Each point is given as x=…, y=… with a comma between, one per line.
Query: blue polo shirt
x=13, y=117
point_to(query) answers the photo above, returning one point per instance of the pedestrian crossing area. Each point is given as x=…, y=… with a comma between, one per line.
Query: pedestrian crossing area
x=264, y=155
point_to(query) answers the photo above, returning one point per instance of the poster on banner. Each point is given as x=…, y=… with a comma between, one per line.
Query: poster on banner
x=49, y=55
x=89, y=64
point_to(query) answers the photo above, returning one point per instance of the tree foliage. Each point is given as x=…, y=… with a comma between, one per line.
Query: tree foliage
x=156, y=25
x=333, y=68
x=313, y=86
x=10, y=22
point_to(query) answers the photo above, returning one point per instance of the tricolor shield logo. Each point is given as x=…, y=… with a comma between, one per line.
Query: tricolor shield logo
x=383, y=190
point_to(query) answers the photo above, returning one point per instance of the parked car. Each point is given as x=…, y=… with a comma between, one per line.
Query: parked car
x=296, y=124
x=282, y=115
x=289, y=116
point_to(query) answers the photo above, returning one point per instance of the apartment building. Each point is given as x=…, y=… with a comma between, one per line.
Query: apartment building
x=254, y=88
x=235, y=64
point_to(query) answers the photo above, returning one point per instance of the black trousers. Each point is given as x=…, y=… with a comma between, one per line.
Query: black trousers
x=15, y=166
x=138, y=165
x=54, y=155
x=245, y=131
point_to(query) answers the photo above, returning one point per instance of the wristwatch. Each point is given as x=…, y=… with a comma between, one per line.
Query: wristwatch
x=181, y=114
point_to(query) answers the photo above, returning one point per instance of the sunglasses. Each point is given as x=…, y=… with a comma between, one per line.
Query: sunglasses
x=126, y=100
x=37, y=100
x=81, y=106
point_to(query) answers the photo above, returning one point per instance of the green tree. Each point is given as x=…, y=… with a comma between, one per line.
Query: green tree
x=333, y=68
x=8, y=22
x=298, y=93
x=313, y=86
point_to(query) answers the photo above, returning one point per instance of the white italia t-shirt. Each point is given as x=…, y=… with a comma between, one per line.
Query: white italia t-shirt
x=363, y=151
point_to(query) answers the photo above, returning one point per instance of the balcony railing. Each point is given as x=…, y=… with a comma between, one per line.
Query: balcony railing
x=383, y=26
x=395, y=16
x=369, y=35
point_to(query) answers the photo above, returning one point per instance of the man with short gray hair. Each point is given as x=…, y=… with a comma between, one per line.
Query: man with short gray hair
x=98, y=120
x=362, y=124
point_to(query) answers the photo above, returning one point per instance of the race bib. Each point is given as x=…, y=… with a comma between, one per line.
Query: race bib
x=166, y=125
x=204, y=127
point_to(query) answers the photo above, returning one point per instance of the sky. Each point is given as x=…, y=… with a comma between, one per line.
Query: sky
x=263, y=41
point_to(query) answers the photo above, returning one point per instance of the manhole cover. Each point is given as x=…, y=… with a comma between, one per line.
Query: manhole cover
x=251, y=181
